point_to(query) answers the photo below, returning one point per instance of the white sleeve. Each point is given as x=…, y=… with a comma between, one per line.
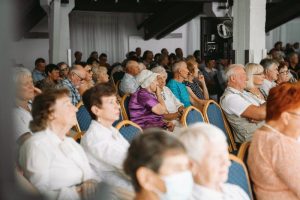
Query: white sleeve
x=110, y=151
x=175, y=100
x=21, y=125
x=35, y=161
x=234, y=104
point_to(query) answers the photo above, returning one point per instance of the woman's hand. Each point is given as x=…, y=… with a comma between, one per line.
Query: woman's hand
x=201, y=79
x=87, y=189
x=170, y=126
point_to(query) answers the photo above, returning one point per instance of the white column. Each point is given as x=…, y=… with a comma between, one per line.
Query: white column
x=59, y=30
x=249, y=30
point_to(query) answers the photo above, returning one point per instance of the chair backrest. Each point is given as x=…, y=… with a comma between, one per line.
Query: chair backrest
x=128, y=129
x=238, y=175
x=84, y=118
x=214, y=115
x=124, y=106
x=191, y=115
x=77, y=136
x=243, y=152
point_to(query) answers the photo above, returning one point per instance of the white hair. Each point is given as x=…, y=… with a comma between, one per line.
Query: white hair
x=97, y=70
x=200, y=138
x=160, y=70
x=230, y=71
x=19, y=72
x=177, y=66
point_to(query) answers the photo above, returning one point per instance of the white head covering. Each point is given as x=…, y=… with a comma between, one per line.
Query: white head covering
x=145, y=78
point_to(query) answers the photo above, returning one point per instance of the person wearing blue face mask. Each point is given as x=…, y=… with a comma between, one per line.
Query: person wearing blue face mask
x=159, y=167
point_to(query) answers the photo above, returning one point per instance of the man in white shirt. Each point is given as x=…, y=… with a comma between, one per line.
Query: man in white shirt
x=271, y=74
x=243, y=114
x=128, y=83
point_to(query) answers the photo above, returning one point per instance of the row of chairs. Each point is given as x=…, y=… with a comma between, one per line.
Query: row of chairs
x=238, y=173
x=212, y=113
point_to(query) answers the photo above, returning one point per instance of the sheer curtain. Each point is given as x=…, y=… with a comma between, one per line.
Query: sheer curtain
x=102, y=32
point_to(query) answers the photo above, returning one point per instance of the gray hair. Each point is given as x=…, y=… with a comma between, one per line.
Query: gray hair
x=19, y=72
x=177, y=66
x=160, y=70
x=251, y=69
x=230, y=71
x=200, y=138
x=98, y=70
x=267, y=63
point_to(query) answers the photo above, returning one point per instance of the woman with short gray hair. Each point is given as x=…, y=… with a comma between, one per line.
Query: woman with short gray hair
x=25, y=91
x=208, y=150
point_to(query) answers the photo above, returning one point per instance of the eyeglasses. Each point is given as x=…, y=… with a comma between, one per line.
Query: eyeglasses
x=64, y=69
x=81, y=79
x=296, y=114
x=285, y=72
x=259, y=74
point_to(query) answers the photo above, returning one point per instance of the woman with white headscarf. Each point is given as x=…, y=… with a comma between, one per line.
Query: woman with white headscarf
x=146, y=106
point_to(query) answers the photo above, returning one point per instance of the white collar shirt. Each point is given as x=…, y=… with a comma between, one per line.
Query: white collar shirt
x=54, y=166
x=229, y=192
x=106, y=150
x=267, y=86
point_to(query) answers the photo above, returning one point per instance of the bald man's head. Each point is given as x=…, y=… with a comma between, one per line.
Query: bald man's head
x=132, y=68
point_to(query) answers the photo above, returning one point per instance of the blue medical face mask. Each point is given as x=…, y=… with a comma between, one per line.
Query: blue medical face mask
x=179, y=186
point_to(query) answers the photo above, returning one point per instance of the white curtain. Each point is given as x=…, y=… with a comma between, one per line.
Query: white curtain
x=102, y=32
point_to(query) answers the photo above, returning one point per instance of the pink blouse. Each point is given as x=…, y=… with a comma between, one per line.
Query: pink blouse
x=274, y=165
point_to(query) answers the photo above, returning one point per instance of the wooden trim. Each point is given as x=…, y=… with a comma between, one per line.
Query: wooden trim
x=127, y=122
x=243, y=150
x=238, y=160
x=77, y=136
x=186, y=112
x=77, y=127
x=123, y=109
x=232, y=146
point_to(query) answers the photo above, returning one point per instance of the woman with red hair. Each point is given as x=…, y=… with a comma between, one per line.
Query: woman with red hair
x=274, y=154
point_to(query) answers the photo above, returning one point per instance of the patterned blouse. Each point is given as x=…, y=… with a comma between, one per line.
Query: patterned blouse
x=195, y=87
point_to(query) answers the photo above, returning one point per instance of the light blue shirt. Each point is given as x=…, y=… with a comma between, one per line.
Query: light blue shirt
x=37, y=75
x=180, y=91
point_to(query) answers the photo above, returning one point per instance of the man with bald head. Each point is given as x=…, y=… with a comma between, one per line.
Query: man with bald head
x=73, y=81
x=128, y=83
x=244, y=114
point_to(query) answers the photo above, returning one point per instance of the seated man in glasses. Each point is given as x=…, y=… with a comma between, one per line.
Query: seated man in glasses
x=73, y=81
x=244, y=113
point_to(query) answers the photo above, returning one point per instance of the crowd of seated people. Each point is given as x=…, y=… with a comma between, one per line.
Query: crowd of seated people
x=160, y=88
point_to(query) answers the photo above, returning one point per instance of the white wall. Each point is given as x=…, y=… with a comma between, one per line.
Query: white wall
x=26, y=51
x=287, y=33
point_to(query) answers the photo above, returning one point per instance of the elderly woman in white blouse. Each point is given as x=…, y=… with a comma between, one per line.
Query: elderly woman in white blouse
x=207, y=147
x=55, y=164
x=174, y=106
x=105, y=147
x=25, y=92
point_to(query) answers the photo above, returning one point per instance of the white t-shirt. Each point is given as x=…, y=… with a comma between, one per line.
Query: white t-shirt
x=21, y=121
x=237, y=102
x=54, y=166
x=106, y=150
